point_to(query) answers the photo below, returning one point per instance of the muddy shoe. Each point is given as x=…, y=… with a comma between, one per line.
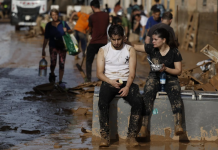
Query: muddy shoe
x=178, y=124
x=132, y=142
x=143, y=132
x=104, y=142
x=52, y=78
x=178, y=130
x=62, y=85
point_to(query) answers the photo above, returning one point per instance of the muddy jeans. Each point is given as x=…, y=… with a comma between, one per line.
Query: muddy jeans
x=107, y=94
x=172, y=88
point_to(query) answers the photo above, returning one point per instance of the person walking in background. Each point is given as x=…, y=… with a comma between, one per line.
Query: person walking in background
x=125, y=22
x=141, y=21
x=116, y=21
x=129, y=11
x=53, y=34
x=107, y=9
x=117, y=7
x=98, y=23
x=158, y=6
x=166, y=21
x=154, y=19
x=81, y=28
x=135, y=5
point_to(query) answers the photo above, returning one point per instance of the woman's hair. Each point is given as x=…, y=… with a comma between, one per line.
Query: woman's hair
x=55, y=11
x=163, y=33
x=116, y=30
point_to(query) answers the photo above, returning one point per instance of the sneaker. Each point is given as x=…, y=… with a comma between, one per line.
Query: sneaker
x=62, y=85
x=52, y=78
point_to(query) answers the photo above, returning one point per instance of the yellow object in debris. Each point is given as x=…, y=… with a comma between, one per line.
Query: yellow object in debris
x=120, y=81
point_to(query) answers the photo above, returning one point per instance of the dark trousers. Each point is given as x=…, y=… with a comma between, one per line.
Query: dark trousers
x=92, y=49
x=107, y=94
x=172, y=88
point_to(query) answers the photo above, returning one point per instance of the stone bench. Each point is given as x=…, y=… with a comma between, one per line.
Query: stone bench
x=200, y=117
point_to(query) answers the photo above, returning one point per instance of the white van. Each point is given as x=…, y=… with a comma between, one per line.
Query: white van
x=25, y=12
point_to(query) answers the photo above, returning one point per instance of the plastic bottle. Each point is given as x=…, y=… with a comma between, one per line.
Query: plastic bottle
x=43, y=67
x=162, y=81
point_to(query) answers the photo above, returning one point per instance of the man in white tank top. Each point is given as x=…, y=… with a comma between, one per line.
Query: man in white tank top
x=117, y=61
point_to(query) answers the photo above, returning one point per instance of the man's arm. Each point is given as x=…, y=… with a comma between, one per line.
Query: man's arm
x=100, y=70
x=71, y=18
x=132, y=69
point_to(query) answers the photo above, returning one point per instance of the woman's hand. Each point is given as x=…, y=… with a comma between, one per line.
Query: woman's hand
x=65, y=29
x=163, y=68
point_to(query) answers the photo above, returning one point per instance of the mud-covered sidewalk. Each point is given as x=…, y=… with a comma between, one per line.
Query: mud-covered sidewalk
x=32, y=121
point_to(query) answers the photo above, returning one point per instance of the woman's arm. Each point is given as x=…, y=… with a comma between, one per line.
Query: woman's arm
x=139, y=48
x=177, y=71
x=43, y=48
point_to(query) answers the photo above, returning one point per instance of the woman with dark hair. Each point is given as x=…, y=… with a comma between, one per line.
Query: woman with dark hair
x=54, y=31
x=163, y=51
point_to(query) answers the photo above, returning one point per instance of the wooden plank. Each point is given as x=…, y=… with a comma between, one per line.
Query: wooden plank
x=211, y=52
x=214, y=81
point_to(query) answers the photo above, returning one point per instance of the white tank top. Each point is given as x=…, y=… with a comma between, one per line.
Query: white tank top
x=116, y=62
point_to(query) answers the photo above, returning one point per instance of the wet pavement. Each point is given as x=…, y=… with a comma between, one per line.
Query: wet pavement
x=32, y=122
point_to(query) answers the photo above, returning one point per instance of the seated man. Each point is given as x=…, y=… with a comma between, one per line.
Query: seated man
x=116, y=65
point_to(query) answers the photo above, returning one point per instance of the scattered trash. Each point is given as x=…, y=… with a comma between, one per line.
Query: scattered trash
x=81, y=111
x=56, y=145
x=31, y=131
x=207, y=80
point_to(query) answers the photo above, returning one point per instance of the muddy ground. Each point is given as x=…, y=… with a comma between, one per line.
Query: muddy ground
x=32, y=121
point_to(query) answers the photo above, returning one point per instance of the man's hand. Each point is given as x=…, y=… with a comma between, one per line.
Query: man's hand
x=65, y=29
x=43, y=53
x=124, y=91
x=115, y=84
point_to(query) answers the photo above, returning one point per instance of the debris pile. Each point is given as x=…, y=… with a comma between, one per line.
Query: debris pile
x=207, y=80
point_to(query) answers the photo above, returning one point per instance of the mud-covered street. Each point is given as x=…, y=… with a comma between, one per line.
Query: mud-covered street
x=32, y=121
x=24, y=116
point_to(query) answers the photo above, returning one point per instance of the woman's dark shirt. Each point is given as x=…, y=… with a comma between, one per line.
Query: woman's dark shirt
x=168, y=60
x=52, y=32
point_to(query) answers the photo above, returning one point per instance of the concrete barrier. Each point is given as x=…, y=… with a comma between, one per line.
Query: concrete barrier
x=200, y=117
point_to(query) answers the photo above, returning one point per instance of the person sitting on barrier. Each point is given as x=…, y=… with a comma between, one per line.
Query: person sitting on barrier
x=115, y=62
x=163, y=51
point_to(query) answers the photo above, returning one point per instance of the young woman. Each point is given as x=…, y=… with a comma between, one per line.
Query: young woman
x=53, y=33
x=163, y=51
